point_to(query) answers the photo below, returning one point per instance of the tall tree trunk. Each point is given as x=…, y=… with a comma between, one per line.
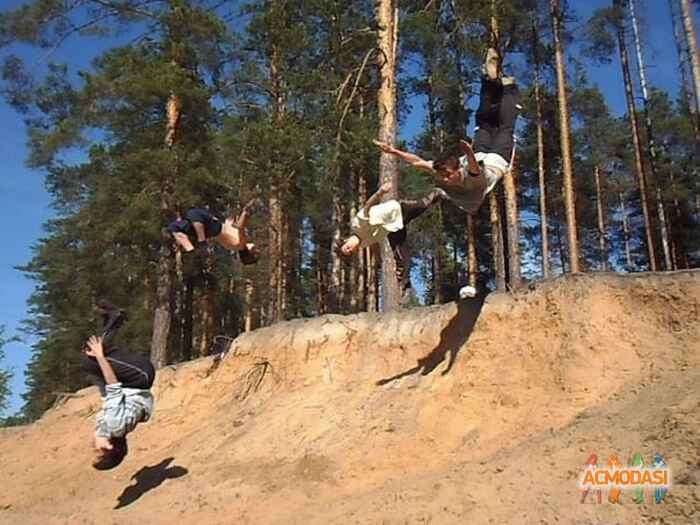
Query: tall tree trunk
x=600, y=207
x=680, y=216
x=275, y=247
x=321, y=285
x=653, y=162
x=565, y=131
x=626, y=233
x=509, y=179
x=249, y=308
x=175, y=343
x=387, y=19
x=363, y=284
x=373, y=280
x=472, y=259
x=439, y=261
x=540, y=153
x=560, y=247
x=356, y=269
x=544, y=230
x=513, y=225
x=187, y=321
x=437, y=146
x=687, y=89
x=637, y=145
x=277, y=255
x=336, y=280
x=164, y=267
x=205, y=306
x=687, y=18
x=497, y=243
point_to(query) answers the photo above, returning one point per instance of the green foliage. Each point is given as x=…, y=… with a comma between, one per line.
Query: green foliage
x=5, y=374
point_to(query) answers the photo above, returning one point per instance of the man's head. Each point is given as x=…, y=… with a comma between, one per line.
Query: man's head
x=448, y=169
x=109, y=452
x=250, y=254
x=349, y=245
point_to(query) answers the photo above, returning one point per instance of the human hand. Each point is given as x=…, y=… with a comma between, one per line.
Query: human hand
x=252, y=204
x=466, y=146
x=385, y=188
x=95, y=348
x=386, y=148
x=102, y=443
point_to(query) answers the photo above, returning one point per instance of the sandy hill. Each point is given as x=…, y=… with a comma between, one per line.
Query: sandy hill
x=459, y=413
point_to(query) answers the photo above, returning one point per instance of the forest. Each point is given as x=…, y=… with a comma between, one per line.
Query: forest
x=211, y=103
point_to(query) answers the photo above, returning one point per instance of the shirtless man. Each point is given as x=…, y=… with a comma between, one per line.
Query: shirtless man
x=199, y=225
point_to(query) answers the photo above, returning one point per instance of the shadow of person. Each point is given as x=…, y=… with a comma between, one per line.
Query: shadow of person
x=452, y=339
x=147, y=479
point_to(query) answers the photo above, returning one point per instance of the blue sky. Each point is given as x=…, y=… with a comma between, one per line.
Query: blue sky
x=25, y=206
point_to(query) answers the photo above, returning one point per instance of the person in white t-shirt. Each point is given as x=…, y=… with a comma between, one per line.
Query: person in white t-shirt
x=466, y=179
x=377, y=221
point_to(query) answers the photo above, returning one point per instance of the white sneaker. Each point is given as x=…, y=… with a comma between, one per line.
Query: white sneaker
x=467, y=292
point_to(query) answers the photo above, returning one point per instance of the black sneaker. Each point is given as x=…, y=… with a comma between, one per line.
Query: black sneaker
x=112, y=318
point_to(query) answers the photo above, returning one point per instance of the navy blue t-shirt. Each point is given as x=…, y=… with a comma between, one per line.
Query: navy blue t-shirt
x=212, y=225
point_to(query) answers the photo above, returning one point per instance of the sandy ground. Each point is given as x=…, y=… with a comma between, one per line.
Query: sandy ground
x=450, y=414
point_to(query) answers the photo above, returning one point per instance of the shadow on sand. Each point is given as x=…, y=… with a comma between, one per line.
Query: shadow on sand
x=452, y=339
x=147, y=479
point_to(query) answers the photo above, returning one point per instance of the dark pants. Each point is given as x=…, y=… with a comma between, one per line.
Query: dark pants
x=132, y=370
x=495, y=118
x=410, y=209
x=212, y=224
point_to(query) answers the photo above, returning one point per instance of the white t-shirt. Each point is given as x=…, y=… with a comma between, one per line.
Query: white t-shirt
x=383, y=219
x=475, y=188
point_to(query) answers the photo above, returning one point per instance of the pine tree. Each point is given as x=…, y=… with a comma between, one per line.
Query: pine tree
x=388, y=22
x=691, y=39
x=565, y=130
x=606, y=30
x=5, y=374
x=651, y=145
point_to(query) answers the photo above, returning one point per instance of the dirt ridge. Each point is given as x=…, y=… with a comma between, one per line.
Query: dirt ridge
x=444, y=414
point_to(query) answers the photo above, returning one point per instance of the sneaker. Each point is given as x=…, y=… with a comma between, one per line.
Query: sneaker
x=467, y=292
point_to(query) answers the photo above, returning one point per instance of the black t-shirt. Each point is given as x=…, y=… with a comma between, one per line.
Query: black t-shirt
x=212, y=225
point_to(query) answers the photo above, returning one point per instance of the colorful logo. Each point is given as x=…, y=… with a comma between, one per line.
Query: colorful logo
x=615, y=478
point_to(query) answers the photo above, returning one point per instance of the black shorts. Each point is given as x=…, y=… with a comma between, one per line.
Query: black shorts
x=212, y=225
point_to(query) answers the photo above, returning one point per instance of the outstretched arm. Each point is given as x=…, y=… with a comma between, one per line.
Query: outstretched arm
x=96, y=350
x=410, y=158
x=377, y=197
x=473, y=165
x=244, y=217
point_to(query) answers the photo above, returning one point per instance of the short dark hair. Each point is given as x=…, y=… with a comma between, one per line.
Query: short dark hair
x=112, y=458
x=247, y=256
x=448, y=160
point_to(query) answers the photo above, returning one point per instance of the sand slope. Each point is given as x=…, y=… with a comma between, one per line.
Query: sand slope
x=445, y=414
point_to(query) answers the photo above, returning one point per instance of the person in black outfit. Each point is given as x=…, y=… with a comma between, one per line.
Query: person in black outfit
x=199, y=225
x=497, y=112
x=125, y=380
